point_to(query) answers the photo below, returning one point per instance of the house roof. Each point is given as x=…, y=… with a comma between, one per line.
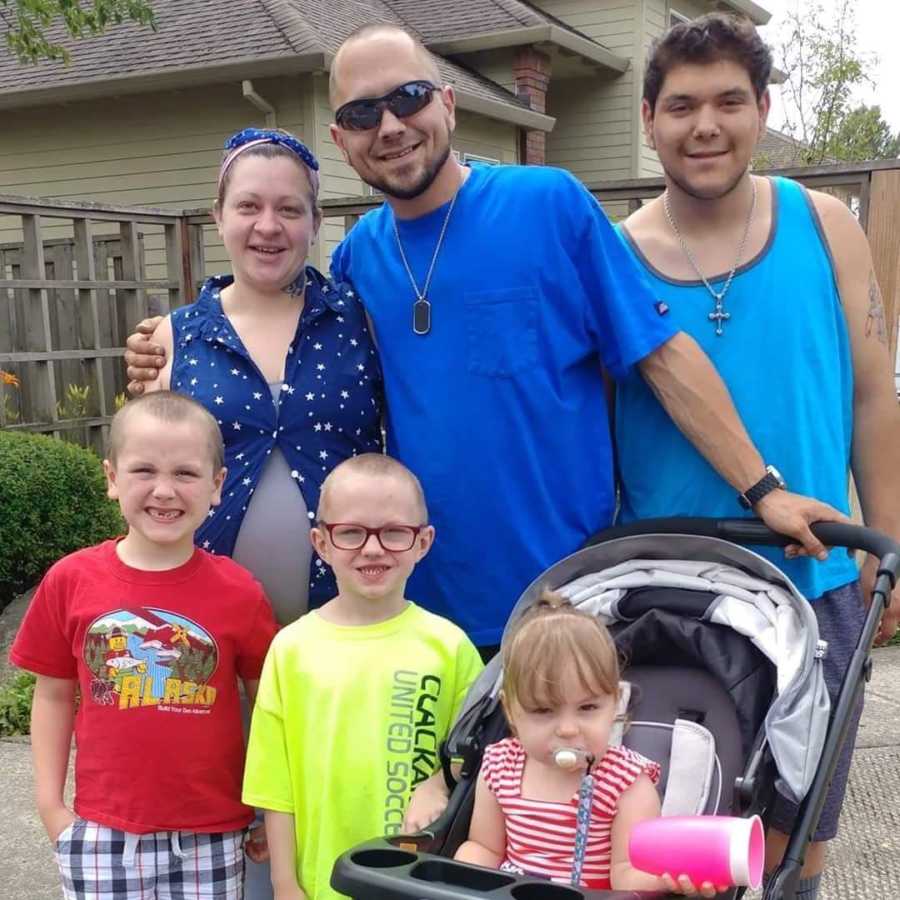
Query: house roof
x=190, y=36
x=473, y=25
x=224, y=40
x=779, y=150
x=438, y=21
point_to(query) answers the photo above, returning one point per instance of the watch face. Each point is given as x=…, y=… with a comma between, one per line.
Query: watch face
x=776, y=475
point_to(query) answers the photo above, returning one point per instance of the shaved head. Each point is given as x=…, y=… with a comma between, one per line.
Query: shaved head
x=166, y=407
x=377, y=466
x=387, y=33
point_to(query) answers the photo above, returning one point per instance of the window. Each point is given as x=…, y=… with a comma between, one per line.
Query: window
x=484, y=160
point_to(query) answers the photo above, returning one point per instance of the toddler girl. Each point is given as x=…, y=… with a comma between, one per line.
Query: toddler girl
x=556, y=783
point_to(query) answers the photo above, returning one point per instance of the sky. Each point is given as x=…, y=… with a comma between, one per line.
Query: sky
x=878, y=25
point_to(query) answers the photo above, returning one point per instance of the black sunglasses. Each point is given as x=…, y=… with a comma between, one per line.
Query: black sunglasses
x=403, y=101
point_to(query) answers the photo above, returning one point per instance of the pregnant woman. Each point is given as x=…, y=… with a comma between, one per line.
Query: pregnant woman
x=281, y=356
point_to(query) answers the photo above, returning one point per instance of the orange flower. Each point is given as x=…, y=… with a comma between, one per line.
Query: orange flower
x=8, y=378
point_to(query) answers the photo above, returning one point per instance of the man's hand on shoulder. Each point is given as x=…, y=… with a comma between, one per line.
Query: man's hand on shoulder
x=143, y=358
x=792, y=514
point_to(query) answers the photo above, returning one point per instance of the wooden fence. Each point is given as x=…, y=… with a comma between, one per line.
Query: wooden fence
x=68, y=303
x=73, y=282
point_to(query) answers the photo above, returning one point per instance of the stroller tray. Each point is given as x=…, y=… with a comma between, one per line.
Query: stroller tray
x=382, y=870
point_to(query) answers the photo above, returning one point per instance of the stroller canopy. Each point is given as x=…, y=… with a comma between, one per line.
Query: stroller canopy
x=725, y=584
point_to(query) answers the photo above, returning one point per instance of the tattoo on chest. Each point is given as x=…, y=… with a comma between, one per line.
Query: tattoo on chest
x=876, y=326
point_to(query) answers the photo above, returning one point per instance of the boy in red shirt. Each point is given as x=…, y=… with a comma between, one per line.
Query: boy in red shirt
x=155, y=633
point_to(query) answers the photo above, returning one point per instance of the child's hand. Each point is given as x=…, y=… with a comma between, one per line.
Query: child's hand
x=428, y=801
x=56, y=821
x=256, y=846
x=684, y=885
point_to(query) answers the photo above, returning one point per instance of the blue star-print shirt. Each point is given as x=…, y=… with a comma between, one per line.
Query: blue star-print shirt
x=330, y=406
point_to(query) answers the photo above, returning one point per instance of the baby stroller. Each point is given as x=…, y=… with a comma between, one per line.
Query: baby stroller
x=727, y=694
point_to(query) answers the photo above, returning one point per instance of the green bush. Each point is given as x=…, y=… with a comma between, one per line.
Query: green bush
x=52, y=501
x=15, y=705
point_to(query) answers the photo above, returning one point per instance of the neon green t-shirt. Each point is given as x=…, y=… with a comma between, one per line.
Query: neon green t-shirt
x=348, y=719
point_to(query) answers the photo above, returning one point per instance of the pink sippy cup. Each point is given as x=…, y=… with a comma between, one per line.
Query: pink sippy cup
x=720, y=849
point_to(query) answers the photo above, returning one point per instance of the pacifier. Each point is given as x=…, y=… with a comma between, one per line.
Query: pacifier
x=570, y=758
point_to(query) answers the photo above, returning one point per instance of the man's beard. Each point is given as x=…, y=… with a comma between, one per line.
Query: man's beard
x=425, y=180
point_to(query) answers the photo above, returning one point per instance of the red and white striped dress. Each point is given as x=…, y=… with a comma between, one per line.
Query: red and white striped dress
x=540, y=834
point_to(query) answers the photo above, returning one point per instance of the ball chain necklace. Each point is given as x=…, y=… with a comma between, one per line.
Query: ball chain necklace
x=422, y=306
x=718, y=315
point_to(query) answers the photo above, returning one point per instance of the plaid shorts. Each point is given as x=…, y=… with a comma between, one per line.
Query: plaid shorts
x=100, y=863
x=840, y=614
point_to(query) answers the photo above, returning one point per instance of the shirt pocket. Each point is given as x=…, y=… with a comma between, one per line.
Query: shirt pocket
x=501, y=331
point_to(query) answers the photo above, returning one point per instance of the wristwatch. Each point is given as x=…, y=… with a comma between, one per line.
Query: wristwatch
x=771, y=481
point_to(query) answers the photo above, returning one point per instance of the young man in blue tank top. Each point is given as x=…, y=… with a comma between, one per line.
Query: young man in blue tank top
x=776, y=284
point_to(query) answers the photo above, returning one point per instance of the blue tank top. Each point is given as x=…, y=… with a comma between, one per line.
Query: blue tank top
x=785, y=356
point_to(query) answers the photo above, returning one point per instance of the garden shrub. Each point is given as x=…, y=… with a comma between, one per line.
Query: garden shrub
x=52, y=501
x=15, y=705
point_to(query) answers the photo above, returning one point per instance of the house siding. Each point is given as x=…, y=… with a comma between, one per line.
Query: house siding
x=655, y=18
x=486, y=137
x=154, y=149
x=690, y=8
x=497, y=65
x=163, y=150
x=594, y=133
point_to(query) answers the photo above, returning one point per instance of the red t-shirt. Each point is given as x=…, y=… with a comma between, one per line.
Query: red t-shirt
x=158, y=730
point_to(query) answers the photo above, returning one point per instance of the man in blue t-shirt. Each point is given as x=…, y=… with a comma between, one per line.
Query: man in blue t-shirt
x=498, y=296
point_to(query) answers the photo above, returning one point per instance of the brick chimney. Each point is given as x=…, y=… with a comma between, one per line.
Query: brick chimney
x=531, y=71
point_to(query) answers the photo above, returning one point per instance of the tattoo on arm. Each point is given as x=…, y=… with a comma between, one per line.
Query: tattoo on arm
x=875, y=321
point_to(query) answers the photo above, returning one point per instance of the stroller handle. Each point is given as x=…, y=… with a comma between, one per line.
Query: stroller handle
x=754, y=531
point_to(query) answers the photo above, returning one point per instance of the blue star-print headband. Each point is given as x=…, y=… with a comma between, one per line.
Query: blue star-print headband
x=253, y=137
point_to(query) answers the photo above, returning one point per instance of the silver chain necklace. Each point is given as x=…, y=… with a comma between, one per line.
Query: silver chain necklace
x=422, y=306
x=718, y=315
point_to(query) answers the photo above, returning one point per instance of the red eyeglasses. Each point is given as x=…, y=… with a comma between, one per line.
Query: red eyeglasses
x=393, y=538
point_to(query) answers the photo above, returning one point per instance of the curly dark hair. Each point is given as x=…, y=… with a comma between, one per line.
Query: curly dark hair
x=713, y=37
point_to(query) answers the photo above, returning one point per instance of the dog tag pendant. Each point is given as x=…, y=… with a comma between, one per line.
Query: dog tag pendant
x=421, y=316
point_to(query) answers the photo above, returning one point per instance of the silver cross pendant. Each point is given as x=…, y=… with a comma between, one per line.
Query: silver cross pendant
x=719, y=316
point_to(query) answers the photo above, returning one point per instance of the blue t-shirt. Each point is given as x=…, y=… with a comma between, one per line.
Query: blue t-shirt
x=329, y=409
x=785, y=357
x=500, y=408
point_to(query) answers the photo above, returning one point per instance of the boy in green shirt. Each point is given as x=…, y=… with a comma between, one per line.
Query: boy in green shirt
x=355, y=697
